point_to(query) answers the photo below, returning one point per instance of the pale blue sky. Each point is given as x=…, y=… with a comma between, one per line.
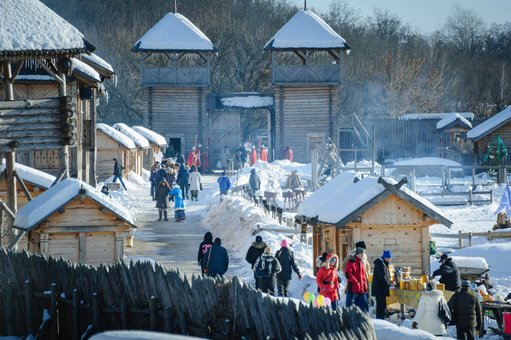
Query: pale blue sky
x=425, y=15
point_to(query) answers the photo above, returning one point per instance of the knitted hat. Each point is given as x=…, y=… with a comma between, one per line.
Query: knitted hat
x=284, y=243
x=360, y=244
x=259, y=239
x=465, y=283
x=218, y=240
x=430, y=285
x=267, y=250
x=359, y=250
x=387, y=254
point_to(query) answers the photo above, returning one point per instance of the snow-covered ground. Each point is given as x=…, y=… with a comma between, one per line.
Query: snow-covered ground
x=234, y=220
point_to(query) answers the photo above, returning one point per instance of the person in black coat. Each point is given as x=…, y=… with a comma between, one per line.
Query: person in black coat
x=162, y=194
x=204, y=247
x=254, y=183
x=215, y=261
x=449, y=272
x=286, y=259
x=265, y=268
x=182, y=179
x=380, y=287
x=253, y=253
x=118, y=173
x=466, y=311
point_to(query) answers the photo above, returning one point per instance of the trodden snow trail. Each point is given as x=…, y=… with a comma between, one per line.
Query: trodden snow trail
x=171, y=244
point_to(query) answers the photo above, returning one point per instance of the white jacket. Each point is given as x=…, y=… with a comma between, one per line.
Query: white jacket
x=427, y=314
x=195, y=180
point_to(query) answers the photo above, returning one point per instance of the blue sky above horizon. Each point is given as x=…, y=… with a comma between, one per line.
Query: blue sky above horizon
x=425, y=15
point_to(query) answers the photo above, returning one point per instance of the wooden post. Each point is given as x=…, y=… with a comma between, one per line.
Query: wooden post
x=92, y=148
x=460, y=239
x=470, y=239
x=183, y=322
x=414, y=179
x=124, y=313
x=470, y=197
x=153, y=309
x=53, y=310
x=76, y=316
x=82, y=240
x=96, y=311
x=29, y=307
x=12, y=196
x=473, y=177
x=167, y=320
x=9, y=92
x=9, y=303
x=64, y=150
x=314, y=168
x=119, y=246
x=373, y=147
x=489, y=237
x=426, y=266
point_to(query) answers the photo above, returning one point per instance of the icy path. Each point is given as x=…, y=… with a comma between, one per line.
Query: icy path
x=172, y=244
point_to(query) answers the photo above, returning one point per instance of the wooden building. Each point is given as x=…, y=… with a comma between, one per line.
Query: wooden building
x=306, y=79
x=383, y=215
x=156, y=141
x=175, y=78
x=75, y=221
x=111, y=144
x=142, y=150
x=484, y=134
x=453, y=136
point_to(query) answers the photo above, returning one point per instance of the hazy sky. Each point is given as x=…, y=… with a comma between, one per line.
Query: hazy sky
x=425, y=15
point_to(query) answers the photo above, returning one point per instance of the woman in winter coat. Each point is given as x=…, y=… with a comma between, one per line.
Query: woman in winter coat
x=195, y=183
x=426, y=317
x=327, y=281
x=162, y=193
x=357, y=280
x=179, y=204
x=266, y=269
x=254, y=183
x=182, y=180
x=204, y=247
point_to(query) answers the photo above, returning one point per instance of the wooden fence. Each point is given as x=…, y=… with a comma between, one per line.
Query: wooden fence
x=70, y=301
x=490, y=235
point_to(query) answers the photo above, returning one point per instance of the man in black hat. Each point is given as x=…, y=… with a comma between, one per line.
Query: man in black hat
x=253, y=253
x=449, y=272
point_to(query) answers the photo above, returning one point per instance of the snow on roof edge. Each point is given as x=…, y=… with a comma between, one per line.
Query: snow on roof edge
x=490, y=124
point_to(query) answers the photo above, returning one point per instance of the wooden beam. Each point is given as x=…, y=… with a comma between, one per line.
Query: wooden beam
x=59, y=177
x=2, y=175
x=50, y=71
x=7, y=75
x=15, y=241
x=23, y=186
x=73, y=229
x=7, y=210
x=31, y=103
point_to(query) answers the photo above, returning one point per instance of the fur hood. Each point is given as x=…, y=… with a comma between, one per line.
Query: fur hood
x=433, y=293
x=328, y=258
x=259, y=245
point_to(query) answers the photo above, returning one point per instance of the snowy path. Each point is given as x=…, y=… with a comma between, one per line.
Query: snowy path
x=171, y=244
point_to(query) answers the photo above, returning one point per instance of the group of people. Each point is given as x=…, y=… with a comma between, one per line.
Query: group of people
x=272, y=270
x=247, y=153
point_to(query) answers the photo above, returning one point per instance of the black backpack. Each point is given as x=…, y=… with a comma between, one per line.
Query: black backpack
x=444, y=313
x=263, y=268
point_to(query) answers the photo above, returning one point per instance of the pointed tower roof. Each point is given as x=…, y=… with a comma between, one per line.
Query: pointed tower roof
x=306, y=30
x=174, y=32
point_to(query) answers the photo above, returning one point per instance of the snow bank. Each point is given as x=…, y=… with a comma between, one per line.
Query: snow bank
x=388, y=331
x=428, y=161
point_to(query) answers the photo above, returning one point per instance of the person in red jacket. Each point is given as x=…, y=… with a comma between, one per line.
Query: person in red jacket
x=288, y=153
x=253, y=156
x=264, y=153
x=327, y=279
x=357, y=281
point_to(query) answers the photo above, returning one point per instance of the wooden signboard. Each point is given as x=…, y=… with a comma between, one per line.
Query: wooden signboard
x=37, y=124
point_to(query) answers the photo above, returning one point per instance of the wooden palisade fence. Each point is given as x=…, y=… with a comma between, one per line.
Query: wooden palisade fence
x=66, y=300
x=461, y=236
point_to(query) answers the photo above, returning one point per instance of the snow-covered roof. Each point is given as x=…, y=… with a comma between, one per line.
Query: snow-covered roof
x=356, y=198
x=36, y=177
x=452, y=118
x=116, y=135
x=140, y=141
x=306, y=30
x=44, y=205
x=247, y=101
x=490, y=124
x=81, y=69
x=152, y=137
x=95, y=61
x=174, y=32
x=35, y=77
x=29, y=27
x=420, y=116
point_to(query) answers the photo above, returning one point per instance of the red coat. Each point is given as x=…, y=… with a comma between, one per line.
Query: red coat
x=253, y=157
x=288, y=154
x=327, y=281
x=190, y=160
x=264, y=154
x=356, y=276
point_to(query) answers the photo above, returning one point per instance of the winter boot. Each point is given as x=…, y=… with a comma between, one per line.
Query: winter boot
x=159, y=214
x=165, y=215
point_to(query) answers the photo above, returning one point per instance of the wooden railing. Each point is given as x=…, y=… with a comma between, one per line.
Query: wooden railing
x=184, y=76
x=461, y=236
x=469, y=194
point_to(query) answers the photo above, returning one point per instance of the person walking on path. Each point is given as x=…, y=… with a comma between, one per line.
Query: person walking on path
x=162, y=201
x=204, y=247
x=286, y=260
x=216, y=261
x=327, y=279
x=158, y=156
x=179, y=204
x=195, y=183
x=118, y=173
x=253, y=253
x=154, y=170
x=264, y=154
x=466, y=312
x=242, y=154
x=357, y=280
x=224, y=184
x=182, y=179
x=351, y=256
x=254, y=183
x=426, y=317
x=449, y=272
x=266, y=268
x=380, y=287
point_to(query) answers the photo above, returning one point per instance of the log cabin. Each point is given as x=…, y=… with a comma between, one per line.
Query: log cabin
x=142, y=144
x=75, y=221
x=453, y=135
x=156, y=141
x=111, y=144
x=378, y=211
x=306, y=80
x=175, y=78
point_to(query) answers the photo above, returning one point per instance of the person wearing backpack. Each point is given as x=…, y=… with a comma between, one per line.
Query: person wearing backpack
x=427, y=316
x=216, y=261
x=266, y=268
x=286, y=260
x=253, y=253
x=466, y=312
x=204, y=247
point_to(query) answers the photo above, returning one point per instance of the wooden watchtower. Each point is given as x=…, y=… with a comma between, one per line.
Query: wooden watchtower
x=306, y=79
x=175, y=78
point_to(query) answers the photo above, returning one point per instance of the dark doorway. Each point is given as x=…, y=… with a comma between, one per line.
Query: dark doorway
x=174, y=147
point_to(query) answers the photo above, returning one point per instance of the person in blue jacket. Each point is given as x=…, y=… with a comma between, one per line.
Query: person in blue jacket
x=179, y=204
x=216, y=261
x=224, y=184
x=182, y=179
